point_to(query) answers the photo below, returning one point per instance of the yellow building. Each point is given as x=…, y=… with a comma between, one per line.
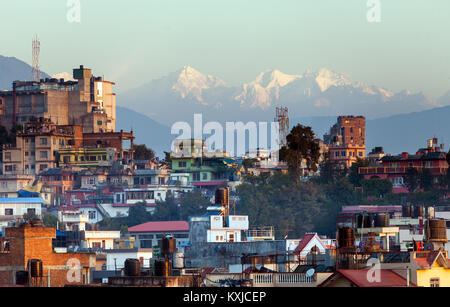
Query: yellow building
x=433, y=269
x=86, y=157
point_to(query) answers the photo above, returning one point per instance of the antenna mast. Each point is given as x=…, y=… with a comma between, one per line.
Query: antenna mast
x=36, y=73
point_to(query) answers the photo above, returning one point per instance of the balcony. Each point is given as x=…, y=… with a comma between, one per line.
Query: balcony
x=281, y=280
x=399, y=170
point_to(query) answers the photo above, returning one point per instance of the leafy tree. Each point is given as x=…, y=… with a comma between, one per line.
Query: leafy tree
x=330, y=171
x=353, y=176
x=301, y=146
x=249, y=163
x=49, y=220
x=426, y=179
x=141, y=152
x=172, y=209
x=412, y=179
x=138, y=214
x=376, y=187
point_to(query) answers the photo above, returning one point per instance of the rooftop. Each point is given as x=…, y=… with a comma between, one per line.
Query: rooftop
x=173, y=226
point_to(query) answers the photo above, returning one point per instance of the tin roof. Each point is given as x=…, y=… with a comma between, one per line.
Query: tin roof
x=22, y=200
x=172, y=226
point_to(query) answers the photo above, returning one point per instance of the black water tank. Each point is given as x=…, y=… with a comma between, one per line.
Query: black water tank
x=162, y=268
x=382, y=220
x=22, y=278
x=364, y=221
x=169, y=245
x=35, y=267
x=406, y=211
x=346, y=237
x=221, y=196
x=132, y=267
x=438, y=230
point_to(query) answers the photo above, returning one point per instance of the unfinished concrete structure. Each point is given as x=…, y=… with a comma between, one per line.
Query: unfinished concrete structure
x=88, y=102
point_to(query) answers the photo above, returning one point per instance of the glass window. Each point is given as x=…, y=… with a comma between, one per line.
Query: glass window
x=43, y=141
x=434, y=282
x=9, y=212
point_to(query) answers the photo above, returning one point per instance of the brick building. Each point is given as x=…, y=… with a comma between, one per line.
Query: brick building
x=394, y=168
x=37, y=146
x=88, y=101
x=347, y=140
x=32, y=241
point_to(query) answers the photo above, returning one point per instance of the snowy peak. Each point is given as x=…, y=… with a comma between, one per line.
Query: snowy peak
x=326, y=78
x=192, y=82
x=64, y=75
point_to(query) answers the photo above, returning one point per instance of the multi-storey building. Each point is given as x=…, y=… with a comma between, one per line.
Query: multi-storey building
x=88, y=102
x=395, y=168
x=37, y=146
x=347, y=140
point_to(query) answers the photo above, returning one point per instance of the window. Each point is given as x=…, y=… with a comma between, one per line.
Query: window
x=9, y=212
x=434, y=282
x=196, y=176
x=43, y=141
x=7, y=156
x=43, y=154
x=343, y=153
x=4, y=185
x=92, y=215
x=43, y=167
x=99, y=123
x=182, y=164
x=204, y=176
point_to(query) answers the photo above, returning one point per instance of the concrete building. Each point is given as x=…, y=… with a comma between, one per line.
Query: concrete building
x=346, y=140
x=37, y=146
x=150, y=234
x=395, y=168
x=11, y=184
x=32, y=241
x=88, y=102
x=15, y=208
x=115, y=258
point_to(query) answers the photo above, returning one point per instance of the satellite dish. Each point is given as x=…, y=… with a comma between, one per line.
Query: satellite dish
x=310, y=273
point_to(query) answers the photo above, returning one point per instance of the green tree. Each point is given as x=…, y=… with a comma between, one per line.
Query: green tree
x=141, y=152
x=353, y=176
x=49, y=220
x=376, y=187
x=330, y=171
x=302, y=146
x=138, y=214
x=426, y=179
x=412, y=179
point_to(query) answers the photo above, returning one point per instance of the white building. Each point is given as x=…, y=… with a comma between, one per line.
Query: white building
x=17, y=207
x=115, y=258
x=99, y=239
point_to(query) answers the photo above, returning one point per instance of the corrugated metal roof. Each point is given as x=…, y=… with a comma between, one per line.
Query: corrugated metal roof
x=175, y=226
x=22, y=200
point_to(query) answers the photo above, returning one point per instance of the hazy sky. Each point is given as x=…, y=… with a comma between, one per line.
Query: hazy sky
x=134, y=41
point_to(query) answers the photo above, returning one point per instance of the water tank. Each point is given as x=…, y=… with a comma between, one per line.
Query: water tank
x=132, y=267
x=169, y=245
x=438, y=230
x=406, y=211
x=419, y=211
x=178, y=260
x=22, y=278
x=222, y=196
x=35, y=268
x=162, y=268
x=346, y=238
x=364, y=221
x=382, y=220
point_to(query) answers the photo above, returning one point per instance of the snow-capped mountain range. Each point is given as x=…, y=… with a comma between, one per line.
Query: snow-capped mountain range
x=320, y=93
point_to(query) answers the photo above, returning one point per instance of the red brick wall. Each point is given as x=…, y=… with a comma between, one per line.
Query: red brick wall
x=36, y=243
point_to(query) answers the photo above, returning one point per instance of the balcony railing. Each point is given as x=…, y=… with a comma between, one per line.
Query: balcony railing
x=399, y=170
x=280, y=279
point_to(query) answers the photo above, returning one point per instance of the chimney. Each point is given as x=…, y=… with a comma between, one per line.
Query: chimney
x=405, y=155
